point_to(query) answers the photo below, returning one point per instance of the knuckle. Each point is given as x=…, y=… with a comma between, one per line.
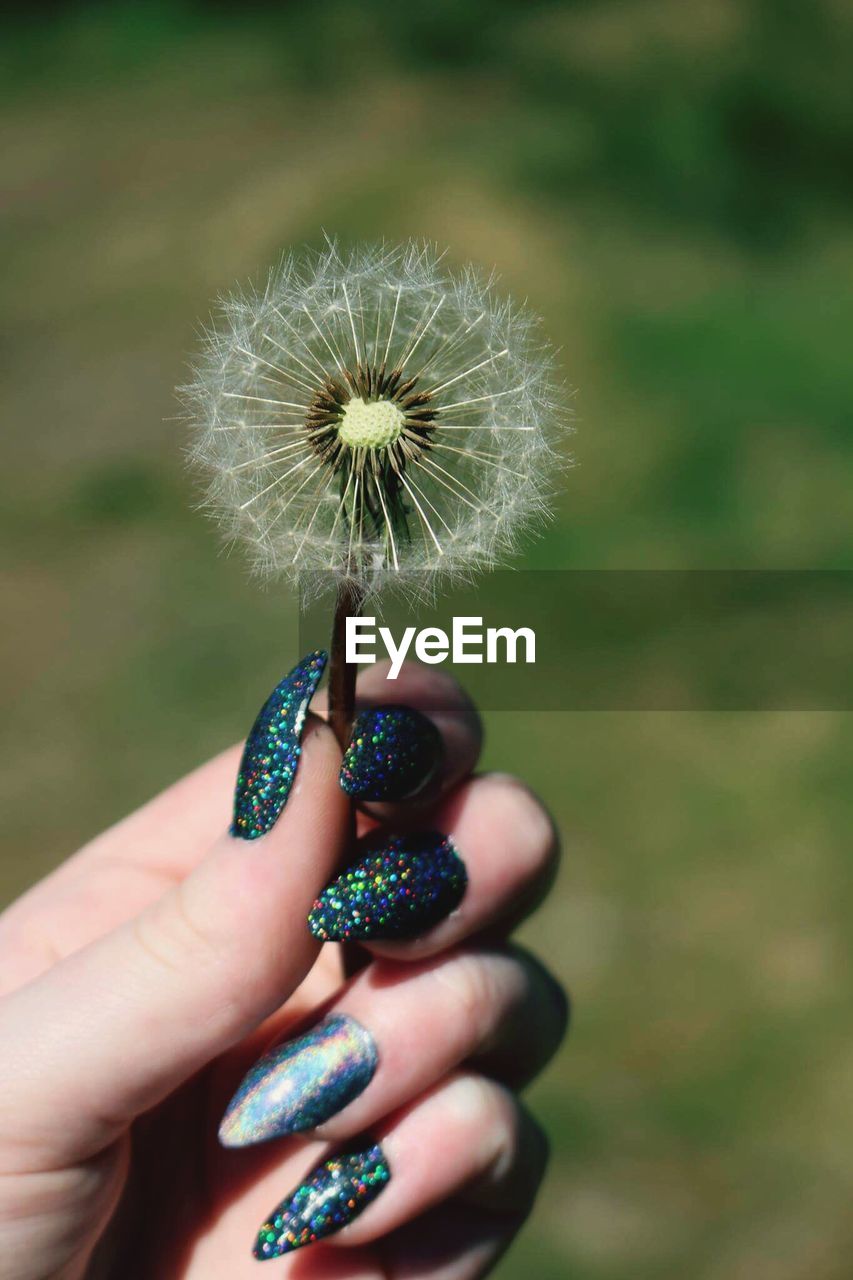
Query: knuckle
x=172, y=938
x=501, y=1119
x=536, y=841
x=490, y=1111
x=537, y=844
x=474, y=989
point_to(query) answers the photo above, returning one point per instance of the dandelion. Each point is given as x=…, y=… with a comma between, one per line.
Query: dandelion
x=376, y=419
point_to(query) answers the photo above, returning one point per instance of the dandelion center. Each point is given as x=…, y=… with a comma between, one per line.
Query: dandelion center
x=370, y=424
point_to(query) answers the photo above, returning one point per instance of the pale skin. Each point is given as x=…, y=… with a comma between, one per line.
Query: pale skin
x=141, y=979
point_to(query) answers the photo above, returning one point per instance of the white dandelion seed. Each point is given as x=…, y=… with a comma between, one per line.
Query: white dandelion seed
x=375, y=417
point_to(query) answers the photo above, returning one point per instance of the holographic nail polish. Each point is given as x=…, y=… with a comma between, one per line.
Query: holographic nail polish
x=272, y=750
x=330, y=1198
x=399, y=890
x=393, y=754
x=300, y=1083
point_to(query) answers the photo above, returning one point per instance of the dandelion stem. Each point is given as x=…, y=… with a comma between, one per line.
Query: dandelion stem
x=342, y=674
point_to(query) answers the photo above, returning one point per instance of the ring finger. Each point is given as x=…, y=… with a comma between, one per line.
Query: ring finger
x=394, y=1032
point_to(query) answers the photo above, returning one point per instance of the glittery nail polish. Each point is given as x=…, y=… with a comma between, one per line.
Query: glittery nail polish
x=394, y=752
x=272, y=750
x=399, y=890
x=330, y=1198
x=300, y=1083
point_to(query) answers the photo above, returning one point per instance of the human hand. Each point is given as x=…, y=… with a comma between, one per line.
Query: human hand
x=142, y=980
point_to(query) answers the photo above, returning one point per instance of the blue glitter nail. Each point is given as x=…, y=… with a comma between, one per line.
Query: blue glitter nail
x=393, y=754
x=397, y=891
x=300, y=1083
x=272, y=750
x=330, y=1198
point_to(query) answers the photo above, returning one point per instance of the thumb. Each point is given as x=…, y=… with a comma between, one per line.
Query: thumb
x=113, y=1029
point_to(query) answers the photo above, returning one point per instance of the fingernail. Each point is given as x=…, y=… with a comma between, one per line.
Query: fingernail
x=394, y=752
x=329, y=1199
x=300, y=1083
x=272, y=750
x=397, y=891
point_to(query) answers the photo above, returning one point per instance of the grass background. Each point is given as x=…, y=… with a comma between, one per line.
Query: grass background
x=669, y=184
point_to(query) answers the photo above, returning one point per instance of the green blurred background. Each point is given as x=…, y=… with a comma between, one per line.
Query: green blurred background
x=669, y=183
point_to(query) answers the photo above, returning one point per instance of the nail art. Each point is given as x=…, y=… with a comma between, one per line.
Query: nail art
x=329, y=1199
x=394, y=752
x=397, y=891
x=300, y=1083
x=272, y=750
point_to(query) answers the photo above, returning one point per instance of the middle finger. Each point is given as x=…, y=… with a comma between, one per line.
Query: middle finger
x=489, y=855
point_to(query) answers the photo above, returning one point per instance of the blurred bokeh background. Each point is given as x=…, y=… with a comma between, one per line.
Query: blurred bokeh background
x=669, y=183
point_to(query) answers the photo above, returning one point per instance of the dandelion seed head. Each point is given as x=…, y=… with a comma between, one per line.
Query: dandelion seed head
x=375, y=414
